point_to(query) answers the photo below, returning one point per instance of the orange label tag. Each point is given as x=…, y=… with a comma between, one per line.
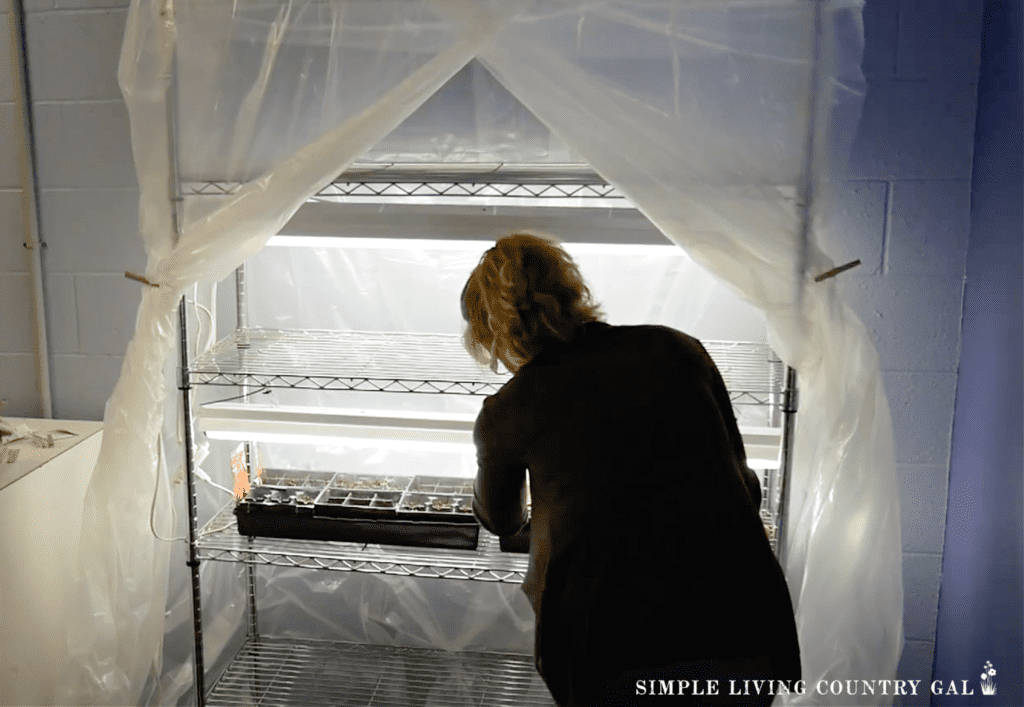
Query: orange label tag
x=238, y=468
x=241, y=477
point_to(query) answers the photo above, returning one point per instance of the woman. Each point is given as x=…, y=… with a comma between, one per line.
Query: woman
x=649, y=565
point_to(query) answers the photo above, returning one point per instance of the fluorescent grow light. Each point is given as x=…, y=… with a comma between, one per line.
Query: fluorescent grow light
x=390, y=429
x=400, y=430
x=465, y=246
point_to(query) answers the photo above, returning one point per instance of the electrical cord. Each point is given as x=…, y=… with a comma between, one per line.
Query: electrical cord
x=201, y=347
x=156, y=489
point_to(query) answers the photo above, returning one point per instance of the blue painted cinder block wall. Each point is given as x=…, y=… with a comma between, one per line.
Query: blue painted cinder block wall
x=912, y=213
x=980, y=598
x=907, y=216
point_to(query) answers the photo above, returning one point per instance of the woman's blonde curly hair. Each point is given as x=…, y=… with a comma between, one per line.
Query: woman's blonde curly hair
x=525, y=292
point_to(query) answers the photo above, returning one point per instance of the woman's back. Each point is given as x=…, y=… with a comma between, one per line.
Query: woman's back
x=646, y=544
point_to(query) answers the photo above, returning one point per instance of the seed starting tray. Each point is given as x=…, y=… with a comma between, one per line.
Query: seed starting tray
x=422, y=511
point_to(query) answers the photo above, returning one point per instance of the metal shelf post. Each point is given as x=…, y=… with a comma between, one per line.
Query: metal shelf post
x=193, y=557
x=789, y=423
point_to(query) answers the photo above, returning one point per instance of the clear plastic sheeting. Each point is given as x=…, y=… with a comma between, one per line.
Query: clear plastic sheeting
x=722, y=121
x=411, y=288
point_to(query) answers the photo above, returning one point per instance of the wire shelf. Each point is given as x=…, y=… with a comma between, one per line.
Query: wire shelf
x=447, y=193
x=291, y=672
x=345, y=360
x=573, y=184
x=221, y=541
x=421, y=363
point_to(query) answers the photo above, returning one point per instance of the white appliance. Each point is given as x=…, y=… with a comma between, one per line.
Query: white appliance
x=41, y=501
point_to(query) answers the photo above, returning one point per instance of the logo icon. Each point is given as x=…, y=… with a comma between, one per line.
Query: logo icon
x=987, y=673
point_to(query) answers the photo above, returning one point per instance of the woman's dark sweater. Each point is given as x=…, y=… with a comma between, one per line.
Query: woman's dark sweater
x=647, y=548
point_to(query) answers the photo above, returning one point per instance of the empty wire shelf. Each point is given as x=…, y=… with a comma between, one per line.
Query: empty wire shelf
x=421, y=363
x=345, y=360
x=573, y=185
x=292, y=672
x=220, y=540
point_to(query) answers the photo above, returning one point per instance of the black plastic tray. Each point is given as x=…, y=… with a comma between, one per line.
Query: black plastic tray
x=289, y=478
x=278, y=501
x=342, y=503
x=418, y=511
x=384, y=532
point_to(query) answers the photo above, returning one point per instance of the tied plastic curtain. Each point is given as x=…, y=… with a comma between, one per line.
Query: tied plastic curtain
x=723, y=122
x=116, y=615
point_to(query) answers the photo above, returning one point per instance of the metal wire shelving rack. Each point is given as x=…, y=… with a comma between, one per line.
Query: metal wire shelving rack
x=220, y=541
x=289, y=672
x=438, y=184
x=276, y=671
x=421, y=363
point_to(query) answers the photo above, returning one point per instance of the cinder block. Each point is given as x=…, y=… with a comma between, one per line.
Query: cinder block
x=880, y=37
x=74, y=55
x=107, y=306
x=916, y=664
x=940, y=39
x=38, y=5
x=6, y=72
x=17, y=314
x=857, y=226
x=84, y=145
x=915, y=130
x=13, y=256
x=931, y=222
x=914, y=320
x=920, y=595
x=10, y=141
x=19, y=385
x=61, y=315
x=922, y=414
x=92, y=231
x=82, y=385
x=923, y=490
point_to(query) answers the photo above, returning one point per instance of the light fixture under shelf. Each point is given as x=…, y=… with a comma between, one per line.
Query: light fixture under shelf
x=406, y=430
x=388, y=429
x=574, y=249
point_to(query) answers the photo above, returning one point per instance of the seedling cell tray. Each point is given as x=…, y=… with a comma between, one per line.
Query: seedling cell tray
x=416, y=511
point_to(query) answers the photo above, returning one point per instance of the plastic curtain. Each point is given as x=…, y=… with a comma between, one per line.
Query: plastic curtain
x=115, y=624
x=750, y=115
x=719, y=120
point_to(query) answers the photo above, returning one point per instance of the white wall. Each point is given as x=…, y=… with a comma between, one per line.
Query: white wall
x=18, y=379
x=907, y=194
x=88, y=196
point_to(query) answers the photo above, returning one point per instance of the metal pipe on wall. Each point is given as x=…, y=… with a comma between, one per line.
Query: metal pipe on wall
x=30, y=196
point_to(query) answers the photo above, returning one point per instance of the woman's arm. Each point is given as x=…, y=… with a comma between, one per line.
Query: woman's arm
x=499, y=498
x=721, y=395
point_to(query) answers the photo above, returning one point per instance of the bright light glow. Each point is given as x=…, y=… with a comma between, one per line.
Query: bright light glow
x=397, y=430
x=314, y=439
x=404, y=430
x=661, y=251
